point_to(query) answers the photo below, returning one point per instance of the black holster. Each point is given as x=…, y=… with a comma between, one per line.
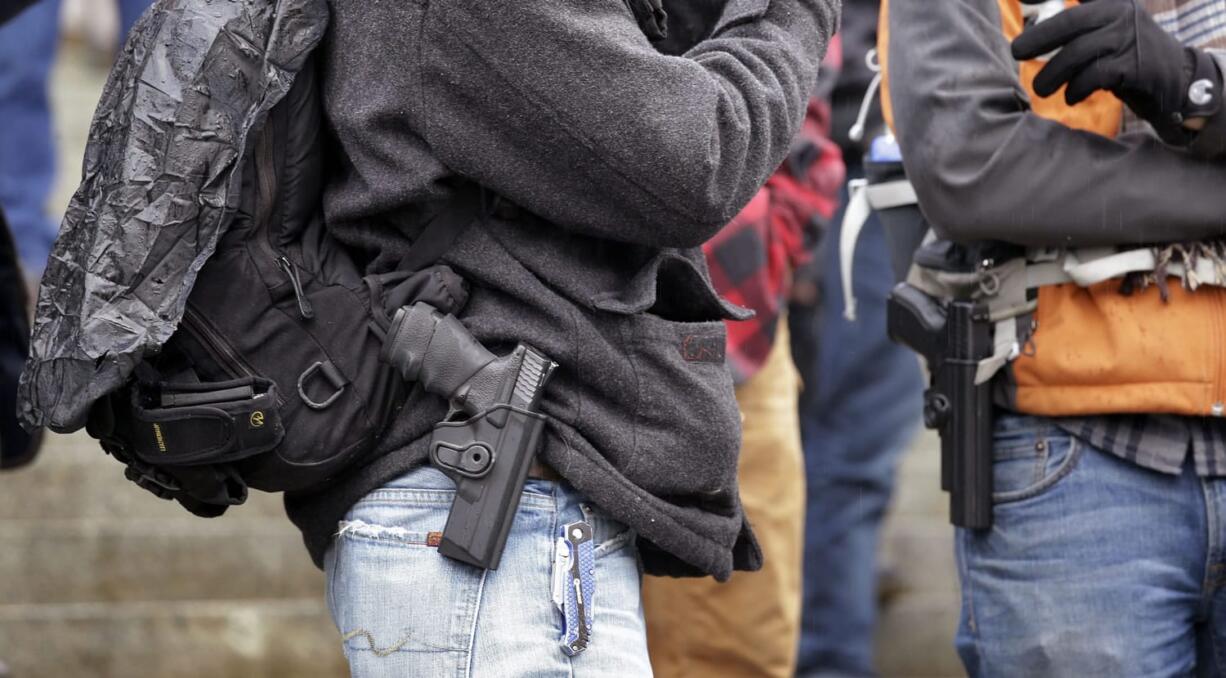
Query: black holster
x=953, y=337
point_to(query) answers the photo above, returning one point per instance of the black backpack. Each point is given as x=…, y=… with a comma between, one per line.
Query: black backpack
x=273, y=379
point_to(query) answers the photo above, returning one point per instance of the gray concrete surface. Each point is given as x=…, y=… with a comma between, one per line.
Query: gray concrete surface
x=98, y=578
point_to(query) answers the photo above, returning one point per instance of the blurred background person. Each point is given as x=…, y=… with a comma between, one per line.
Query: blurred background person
x=861, y=404
x=28, y=44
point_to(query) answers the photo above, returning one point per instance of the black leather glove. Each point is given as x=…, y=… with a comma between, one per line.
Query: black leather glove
x=1115, y=45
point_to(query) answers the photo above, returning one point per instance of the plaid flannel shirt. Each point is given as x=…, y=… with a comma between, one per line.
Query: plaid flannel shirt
x=752, y=258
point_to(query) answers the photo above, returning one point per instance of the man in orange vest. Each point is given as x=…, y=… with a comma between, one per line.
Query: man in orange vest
x=1099, y=126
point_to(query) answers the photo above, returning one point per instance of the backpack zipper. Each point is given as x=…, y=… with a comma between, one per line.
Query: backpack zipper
x=265, y=170
x=216, y=345
x=304, y=304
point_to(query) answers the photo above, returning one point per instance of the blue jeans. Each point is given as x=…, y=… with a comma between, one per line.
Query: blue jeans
x=1094, y=566
x=405, y=610
x=27, y=149
x=860, y=407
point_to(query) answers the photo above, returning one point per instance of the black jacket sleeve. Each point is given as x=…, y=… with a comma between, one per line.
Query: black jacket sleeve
x=986, y=167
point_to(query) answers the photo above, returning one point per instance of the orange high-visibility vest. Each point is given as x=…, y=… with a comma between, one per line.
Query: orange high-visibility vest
x=1094, y=350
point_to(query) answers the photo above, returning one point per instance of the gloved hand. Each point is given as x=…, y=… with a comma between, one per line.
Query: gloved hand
x=1115, y=45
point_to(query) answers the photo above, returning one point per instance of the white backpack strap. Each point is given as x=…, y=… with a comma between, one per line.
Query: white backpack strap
x=1088, y=267
x=856, y=133
x=1005, y=289
x=891, y=194
x=864, y=198
x=1005, y=348
x=854, y=218
x=1046, y=273
x=1015, y=279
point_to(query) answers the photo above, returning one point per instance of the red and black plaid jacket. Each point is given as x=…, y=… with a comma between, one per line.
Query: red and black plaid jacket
x=752, y=258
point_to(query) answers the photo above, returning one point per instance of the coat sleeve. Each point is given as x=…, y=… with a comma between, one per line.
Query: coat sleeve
x=565, y=107
x=986, y=167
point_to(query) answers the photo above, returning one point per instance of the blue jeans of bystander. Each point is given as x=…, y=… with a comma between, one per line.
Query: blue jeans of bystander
x=859, y=409
x=27, y=148
x=405, y=610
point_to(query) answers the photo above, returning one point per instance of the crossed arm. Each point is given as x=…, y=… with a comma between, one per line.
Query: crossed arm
x=986, y=167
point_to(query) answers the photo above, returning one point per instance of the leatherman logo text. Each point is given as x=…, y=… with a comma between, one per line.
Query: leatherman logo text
x=157, y=433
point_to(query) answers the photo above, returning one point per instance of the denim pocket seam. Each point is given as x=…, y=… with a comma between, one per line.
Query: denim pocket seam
x=1013, y=452
x=1014, y=446
x=1066, y=467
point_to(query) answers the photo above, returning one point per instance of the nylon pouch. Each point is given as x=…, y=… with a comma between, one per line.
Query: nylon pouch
x=205, y=423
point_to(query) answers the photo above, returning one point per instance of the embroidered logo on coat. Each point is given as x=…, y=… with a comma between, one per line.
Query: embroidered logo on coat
x=698, y=348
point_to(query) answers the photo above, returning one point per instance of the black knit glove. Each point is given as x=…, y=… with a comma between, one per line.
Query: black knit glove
x=1115, y=45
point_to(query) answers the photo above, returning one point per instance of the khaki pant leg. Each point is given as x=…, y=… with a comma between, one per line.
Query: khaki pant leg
x=750, y=625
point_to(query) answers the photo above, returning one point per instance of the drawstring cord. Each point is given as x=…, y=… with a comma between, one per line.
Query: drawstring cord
x=857, y=210
x=856, y=133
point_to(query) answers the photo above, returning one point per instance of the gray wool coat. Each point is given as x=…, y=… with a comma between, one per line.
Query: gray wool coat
x=623, y=161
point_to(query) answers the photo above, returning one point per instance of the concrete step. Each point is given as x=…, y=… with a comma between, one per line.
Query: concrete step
x=84, y=560
x=920, y=555
x=99, y=490
x=73, y=478
x=915, y=637
x=252, y=638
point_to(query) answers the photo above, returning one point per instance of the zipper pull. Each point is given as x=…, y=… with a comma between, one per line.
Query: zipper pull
x=304, y=304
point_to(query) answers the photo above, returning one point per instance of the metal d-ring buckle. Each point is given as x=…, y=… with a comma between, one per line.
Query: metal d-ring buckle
x=330, y=373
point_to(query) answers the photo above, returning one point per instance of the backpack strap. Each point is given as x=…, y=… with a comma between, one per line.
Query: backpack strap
x=444, y=229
